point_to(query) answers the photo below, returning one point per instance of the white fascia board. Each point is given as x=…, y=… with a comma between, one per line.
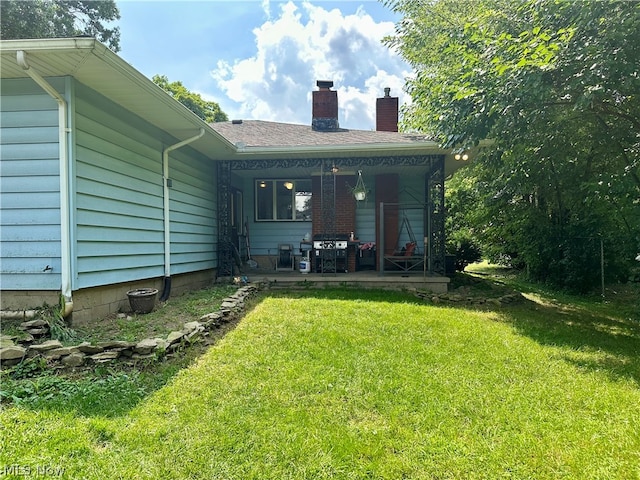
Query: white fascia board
x=118, y=64
x=434, y=149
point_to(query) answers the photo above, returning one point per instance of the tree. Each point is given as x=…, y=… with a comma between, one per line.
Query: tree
x=556, y=86
x=208, y=111
x=60, y=18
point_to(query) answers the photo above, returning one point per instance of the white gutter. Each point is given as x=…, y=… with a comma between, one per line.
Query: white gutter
x=433, y=148
x=65, y=214
x=165, y=193
x=354, y=147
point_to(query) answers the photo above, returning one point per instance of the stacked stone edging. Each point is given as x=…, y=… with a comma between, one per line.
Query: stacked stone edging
x=85, y=354
x=463, y=295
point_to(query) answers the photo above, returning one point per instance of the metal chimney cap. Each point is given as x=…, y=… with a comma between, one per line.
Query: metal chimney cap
x=387, y=91
x=322, y=84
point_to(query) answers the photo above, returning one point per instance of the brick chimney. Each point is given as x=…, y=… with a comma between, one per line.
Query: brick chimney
x=387, y=113
x=325, y=107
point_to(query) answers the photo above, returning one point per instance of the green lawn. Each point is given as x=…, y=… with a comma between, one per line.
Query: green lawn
x=352, y=384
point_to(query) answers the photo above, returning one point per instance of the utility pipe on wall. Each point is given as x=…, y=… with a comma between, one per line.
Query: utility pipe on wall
x=166, y=291
x=65, y=213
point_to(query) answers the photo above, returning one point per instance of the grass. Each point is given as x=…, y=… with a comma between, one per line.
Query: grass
x=622, y=299
x=351, y=384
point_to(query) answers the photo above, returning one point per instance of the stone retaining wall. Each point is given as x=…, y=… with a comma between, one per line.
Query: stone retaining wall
x=463, y=296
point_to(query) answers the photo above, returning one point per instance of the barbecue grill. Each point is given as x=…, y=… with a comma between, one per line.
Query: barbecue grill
x=330, y=253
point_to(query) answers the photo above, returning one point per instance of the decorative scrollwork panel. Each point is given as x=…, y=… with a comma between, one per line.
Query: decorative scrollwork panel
x=225, y=244
x=434, y=192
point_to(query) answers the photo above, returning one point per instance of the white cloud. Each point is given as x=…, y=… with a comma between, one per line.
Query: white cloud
x=306, y=43
x=266, y=7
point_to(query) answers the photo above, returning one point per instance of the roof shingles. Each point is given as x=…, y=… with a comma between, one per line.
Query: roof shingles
x=259, y=133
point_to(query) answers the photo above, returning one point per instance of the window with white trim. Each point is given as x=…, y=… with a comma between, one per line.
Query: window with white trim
x=283, y=200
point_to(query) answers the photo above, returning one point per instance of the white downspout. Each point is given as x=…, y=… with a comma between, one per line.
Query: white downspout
x=65, y=214
x=167, y=223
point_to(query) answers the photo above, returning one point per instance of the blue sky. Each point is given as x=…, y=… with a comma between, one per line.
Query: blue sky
x=261, y=59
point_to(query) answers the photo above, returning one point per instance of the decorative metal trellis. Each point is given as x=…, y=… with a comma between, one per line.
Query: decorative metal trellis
x=356, y=162
x=434, y=193
x=328, y=254
x=225, y=243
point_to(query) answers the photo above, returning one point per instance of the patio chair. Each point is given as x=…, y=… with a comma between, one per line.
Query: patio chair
x=286, y=259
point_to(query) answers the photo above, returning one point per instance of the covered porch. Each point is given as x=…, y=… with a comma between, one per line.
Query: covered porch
x=394, y=235
x=365, y=205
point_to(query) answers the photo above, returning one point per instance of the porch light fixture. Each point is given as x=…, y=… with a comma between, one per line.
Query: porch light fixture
x=288, y=185
x=334, y=169
x=263, y=184
x=461, y=156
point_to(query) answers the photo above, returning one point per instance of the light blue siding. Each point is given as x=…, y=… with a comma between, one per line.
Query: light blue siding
x=27, y=135
x=23, y=95
x=117, y=194
x=119, y=198
x=28, y=167
x=193, y=216
x=26, y=118
x=29, y=187
x=411, y=191
x=366, y=218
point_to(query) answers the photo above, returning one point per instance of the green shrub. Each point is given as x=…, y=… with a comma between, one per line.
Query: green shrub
x=465, y=248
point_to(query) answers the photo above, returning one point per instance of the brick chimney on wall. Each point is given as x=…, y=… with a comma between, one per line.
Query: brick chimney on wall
x=387, y=113
x=324, y=107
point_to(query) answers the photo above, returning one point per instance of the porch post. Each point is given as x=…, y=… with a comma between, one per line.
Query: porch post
x=381, y=245
x=434, y=200
x=225, y=246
